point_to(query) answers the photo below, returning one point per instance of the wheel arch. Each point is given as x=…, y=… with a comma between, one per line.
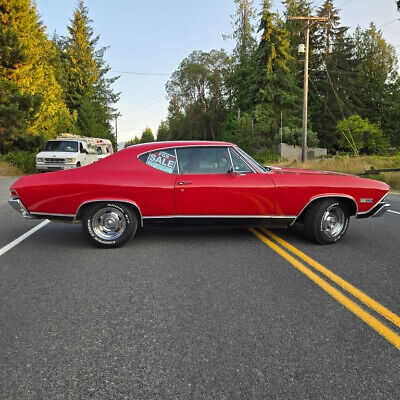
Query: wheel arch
x=348, y=200
x=85, y=204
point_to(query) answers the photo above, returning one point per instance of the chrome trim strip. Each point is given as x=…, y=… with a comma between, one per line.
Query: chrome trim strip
x=327, y=197
x=249, y=161
x=230, y=157
x=243, y=159
x=182, y=146
x=105, y=200
x=160, y=216
x=223, y=216
x=54, y=215
x=177, y=162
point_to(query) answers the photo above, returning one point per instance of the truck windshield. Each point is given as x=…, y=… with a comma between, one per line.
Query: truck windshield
x=62, y=145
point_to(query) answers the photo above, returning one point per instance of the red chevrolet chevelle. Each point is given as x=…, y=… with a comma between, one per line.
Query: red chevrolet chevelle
x=192, y=182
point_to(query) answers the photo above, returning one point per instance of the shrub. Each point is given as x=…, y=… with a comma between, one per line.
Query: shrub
x=21, y=159
x=267, y=157
x=294, y=137
x=367, y=137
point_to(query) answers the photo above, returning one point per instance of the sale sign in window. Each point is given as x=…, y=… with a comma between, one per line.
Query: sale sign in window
x=162, y=161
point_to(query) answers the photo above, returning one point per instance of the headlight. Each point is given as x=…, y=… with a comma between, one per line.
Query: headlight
x=40, y=159
x=70, y=160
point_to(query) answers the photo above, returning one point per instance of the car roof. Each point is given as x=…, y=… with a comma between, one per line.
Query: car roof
x=143, y=147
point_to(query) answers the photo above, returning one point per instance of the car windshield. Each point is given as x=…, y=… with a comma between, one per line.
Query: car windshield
x=62, y=145
x=251, y=159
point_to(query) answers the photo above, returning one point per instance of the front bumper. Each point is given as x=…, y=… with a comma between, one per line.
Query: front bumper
x=54, y=167
x=18, y=205
x=377, y=211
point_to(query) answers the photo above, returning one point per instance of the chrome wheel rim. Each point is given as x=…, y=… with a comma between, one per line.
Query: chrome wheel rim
x=333, y=221
x=109, y=223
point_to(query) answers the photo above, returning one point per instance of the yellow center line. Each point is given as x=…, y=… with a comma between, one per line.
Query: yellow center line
x=374, y=323
x=373, y=304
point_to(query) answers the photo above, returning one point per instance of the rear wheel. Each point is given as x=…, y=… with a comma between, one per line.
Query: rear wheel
x=109, y=224
x=326, y=221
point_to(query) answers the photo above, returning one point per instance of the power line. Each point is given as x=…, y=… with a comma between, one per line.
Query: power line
x=388, y=23
x=344, y=4
x=140, y=73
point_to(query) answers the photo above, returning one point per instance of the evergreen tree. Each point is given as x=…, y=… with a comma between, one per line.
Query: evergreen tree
x=242, y=80
x=333, y=87
x=147, y=136
x=89, y=92
x=378, y=83
x=36, y=75
x=278, y=89
x=17, y=109
x=82, y=68
x=163, y=131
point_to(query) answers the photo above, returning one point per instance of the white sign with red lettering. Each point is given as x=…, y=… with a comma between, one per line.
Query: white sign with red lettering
x=162, y=161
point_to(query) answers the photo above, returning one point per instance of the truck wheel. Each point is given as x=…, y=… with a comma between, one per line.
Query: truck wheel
x=326, y=221
x=109, y=224
x=78, y=164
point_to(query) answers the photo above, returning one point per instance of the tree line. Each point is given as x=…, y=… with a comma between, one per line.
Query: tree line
x=248, y=95
x=51, y=85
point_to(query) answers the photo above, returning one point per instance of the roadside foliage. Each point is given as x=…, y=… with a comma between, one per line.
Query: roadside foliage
x=248, y=95
x=41, y=79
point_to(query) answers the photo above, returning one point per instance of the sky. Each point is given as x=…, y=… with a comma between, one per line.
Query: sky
x=154, y=36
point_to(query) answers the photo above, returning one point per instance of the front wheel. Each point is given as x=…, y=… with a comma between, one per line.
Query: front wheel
x=109, y=224
x=326, y=221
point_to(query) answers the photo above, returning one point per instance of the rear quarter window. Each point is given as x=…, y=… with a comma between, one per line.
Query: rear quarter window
x=163, y=160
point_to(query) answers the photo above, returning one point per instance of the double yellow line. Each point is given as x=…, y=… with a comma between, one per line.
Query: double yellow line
x=271, y=240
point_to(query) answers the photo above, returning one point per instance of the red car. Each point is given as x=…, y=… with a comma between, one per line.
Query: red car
x=192, y=182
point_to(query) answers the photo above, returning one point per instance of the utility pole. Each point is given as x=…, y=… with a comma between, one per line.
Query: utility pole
x=311, y=21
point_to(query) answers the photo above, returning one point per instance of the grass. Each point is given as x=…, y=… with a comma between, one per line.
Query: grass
x=356, y=166
x=7, y=169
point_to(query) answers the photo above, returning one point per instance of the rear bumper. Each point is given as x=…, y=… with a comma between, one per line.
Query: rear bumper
x=18, y=205
x=377, y=211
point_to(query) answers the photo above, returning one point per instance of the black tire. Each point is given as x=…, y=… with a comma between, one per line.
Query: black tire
x=78, y=164
x=96, y=217
x=320, y=216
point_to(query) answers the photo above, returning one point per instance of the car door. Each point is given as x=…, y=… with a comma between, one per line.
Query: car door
x=218, y=182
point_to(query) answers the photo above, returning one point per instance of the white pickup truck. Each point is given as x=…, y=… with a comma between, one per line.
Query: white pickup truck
x=67, y=151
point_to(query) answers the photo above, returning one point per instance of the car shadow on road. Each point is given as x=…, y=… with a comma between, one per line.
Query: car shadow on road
x=56, y=234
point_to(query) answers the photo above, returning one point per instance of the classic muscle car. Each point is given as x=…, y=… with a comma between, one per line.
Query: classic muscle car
x=195, y=182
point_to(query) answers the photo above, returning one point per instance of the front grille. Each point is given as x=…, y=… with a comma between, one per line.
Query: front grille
x=54, y=160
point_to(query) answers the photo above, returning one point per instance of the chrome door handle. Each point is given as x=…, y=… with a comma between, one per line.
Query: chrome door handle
x=185, y=183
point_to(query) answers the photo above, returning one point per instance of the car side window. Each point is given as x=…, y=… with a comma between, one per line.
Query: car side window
x=204, y=160
x=238, y=164
x=163, y=160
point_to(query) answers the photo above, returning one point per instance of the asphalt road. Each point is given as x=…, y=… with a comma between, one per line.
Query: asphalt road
x=194, y=314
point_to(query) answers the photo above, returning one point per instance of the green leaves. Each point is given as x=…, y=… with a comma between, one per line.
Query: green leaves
x=147, y=136
x=359, y=134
